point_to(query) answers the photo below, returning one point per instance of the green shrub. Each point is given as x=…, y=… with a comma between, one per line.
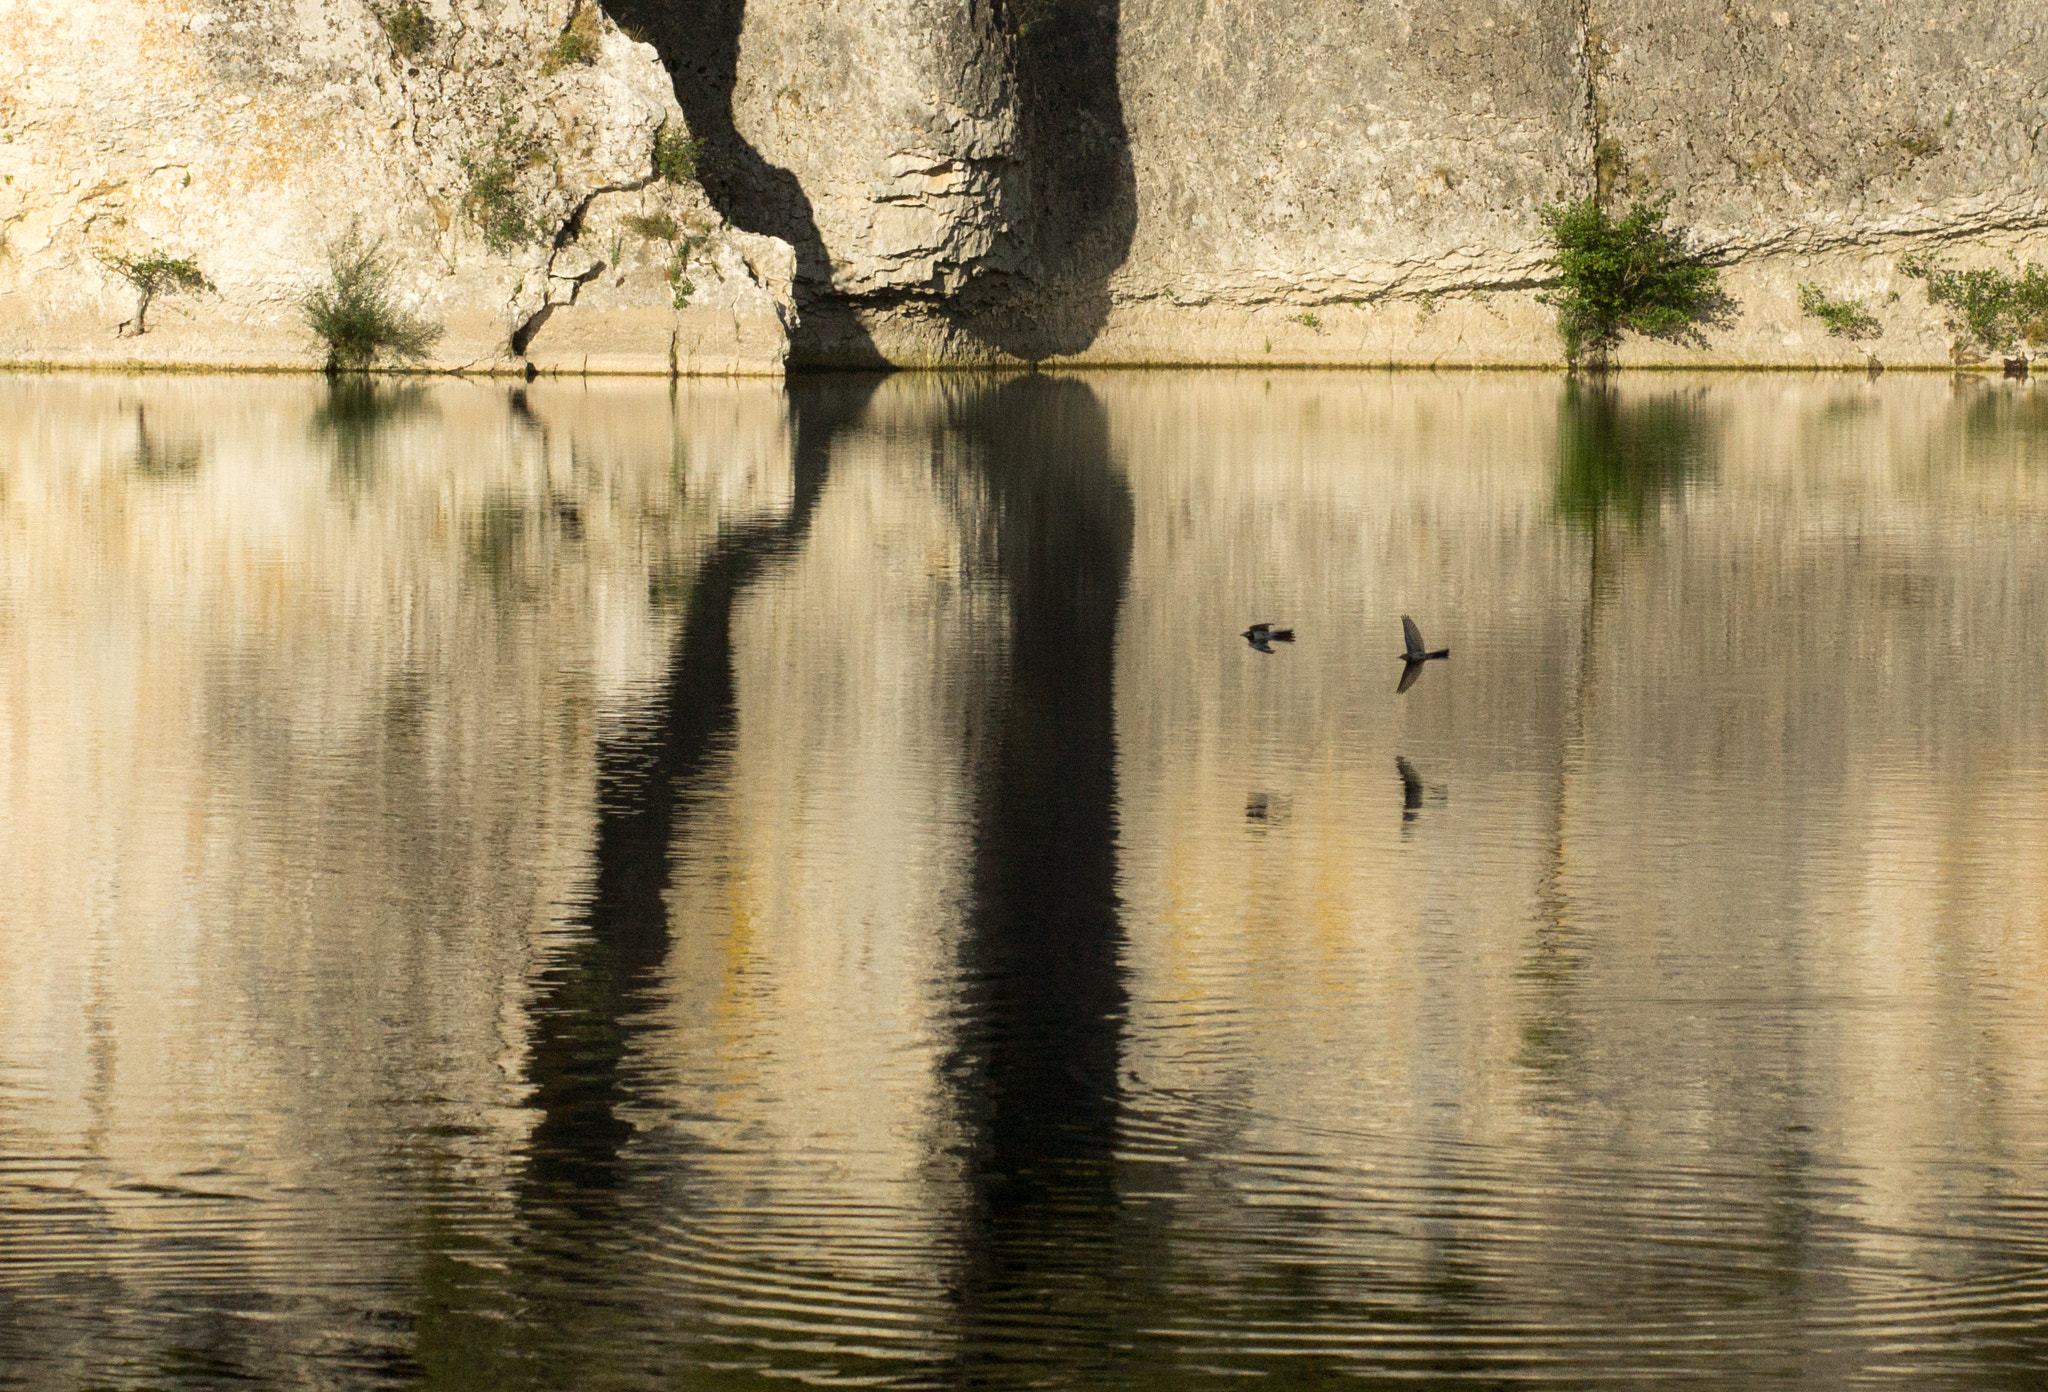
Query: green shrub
x=355, y=315
x=408, y=28
x=578, y=43
x=675, y=155
x=1307, y=320
x=655, y=227
x=1633, y=275
x=154, y=273
x=494, y=201
x=1994, y=310
x=1844, y=318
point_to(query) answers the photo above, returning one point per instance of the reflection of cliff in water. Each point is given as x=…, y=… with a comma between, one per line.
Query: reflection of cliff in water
x=1036, y=1068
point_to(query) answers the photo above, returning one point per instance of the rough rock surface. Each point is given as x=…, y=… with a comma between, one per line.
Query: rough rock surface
x=986, y=181
x=250, y=135
x=1333, y=181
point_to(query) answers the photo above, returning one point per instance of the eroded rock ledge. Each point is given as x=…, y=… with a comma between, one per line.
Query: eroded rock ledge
x=937, y=182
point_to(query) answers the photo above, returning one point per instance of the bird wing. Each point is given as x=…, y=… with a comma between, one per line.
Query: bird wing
x=1408, y=675
x=1413, y=635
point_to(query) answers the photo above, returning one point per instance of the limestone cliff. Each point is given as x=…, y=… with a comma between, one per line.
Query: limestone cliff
x=501, y=151
x=959, y=181
x=1348, y=181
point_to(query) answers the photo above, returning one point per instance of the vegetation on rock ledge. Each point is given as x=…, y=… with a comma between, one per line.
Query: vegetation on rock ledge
x=578, y=43
x=407, y=27
x=1633, y=275
x=1993, y=310
x=1844, y=318
x=153, y=273
x=675, y=156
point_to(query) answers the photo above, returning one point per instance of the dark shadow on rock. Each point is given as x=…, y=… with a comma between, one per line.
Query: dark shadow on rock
x=699, y=44
x=1079, y=207
x=1071, y=200
x=1035, y=1070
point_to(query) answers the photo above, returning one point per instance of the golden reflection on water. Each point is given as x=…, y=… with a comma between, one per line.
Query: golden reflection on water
x=1038, y=982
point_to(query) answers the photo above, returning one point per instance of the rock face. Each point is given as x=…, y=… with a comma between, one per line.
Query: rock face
x=1137, y=181
x=985, y=181
x=501, y=153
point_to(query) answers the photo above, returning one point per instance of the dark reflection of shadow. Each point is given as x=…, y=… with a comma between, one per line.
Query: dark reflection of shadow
x=357, y=417
x=1619, y=455
x=1043, y=988
x=529, y=1318
x=582, y=1032
x=699, y=43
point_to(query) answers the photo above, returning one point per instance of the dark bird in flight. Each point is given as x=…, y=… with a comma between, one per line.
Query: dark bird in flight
x=1263, y=635
x=1415, y=655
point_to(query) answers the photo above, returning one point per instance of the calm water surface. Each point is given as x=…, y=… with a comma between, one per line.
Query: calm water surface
x=603, y=887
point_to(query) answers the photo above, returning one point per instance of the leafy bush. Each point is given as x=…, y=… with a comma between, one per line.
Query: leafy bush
x=154, y=273
x=1633, y=275
x=1995, y=310
x=578, y=43
x=1307, y=320
x=408, y=28
x=675, y=155
x=355, y=315
x=1844, y=318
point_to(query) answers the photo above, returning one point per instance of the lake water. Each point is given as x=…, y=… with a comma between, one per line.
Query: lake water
x=603, y=886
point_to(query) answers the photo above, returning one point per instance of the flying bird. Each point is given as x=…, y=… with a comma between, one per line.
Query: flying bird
x=1415, y=655
x=1263, y=635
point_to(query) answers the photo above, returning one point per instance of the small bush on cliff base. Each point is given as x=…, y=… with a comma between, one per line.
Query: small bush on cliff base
x=1994, y=310
x=154, y=273
x=1843, y=318
x=408, y=29
x=1633, y=275
x=354, y=313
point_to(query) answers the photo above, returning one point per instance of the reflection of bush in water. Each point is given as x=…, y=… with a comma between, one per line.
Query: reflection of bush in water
x=496, y=535
x=1621, y=456
x=161, y=454
x=357, y=415
x=2011, y=420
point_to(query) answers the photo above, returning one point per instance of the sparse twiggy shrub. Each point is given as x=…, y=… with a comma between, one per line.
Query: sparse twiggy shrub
x=1844, y=318
x=1307, y=319
x=1994, y=310
x=154, y=273
x=1633, y=275
x=355, y=313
